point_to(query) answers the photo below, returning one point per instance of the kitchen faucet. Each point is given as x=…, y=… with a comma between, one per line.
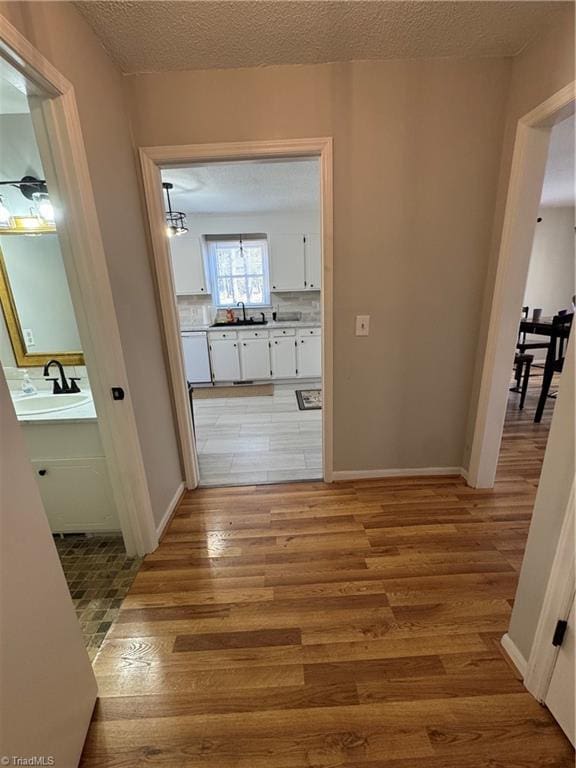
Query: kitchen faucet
x=62, y=387
x=241, y=303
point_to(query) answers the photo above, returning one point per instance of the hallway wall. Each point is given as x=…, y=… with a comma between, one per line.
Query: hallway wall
x=61, y=34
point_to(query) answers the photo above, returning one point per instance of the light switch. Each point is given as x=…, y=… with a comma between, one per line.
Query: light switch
x=28, y=337
x=362, y=325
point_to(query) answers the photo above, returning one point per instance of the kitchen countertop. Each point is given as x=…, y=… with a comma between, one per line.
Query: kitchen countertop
x=269, y=325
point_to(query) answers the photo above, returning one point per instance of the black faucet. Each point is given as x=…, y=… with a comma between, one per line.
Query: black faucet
x=62, y=387
x=241, y=303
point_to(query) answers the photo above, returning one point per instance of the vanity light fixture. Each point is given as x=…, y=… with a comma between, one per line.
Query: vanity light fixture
x=35, y=190
x=175, y=220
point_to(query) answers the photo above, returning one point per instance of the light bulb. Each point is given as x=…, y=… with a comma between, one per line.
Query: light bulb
x=5, y=217
x=44, y=206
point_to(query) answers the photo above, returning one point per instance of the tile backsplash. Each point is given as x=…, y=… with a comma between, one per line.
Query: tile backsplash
x=15, y=376
x=198, y=310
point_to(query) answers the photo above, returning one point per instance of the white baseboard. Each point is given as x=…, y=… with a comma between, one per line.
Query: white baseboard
x=369, y=474
x=170, y=511
x=514, y=654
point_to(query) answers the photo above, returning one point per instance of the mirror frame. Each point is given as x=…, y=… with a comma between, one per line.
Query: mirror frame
x=25, y=359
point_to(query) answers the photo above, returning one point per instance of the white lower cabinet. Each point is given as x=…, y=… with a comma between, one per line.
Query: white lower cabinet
x=225, y=359
x=255, y=359
x=309, y=359
x=284, y=358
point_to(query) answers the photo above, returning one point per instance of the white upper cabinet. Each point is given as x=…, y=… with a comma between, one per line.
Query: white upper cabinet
x=188, y=265
x=313, y=262
x=287, y=267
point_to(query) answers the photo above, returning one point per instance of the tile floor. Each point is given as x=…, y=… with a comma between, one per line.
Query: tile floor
x=264, y=439
x=99, y=575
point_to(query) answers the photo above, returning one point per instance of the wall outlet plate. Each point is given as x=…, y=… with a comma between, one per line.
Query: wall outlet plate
x=28, y=337
x=362, y=325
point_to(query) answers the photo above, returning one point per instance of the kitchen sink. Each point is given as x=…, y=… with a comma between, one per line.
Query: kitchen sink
x=226, y=324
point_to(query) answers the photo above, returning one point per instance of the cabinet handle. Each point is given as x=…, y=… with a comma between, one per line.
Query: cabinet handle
x=235, y=345
x=305, y=283
x=274, y=287
x=201, y=289
x=275, y=342
x=243, y=344
x=42, y=472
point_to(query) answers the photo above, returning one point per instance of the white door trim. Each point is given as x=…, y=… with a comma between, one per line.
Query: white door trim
x=87, y=272
x=525, y=187
x=557, y=603
x=152, y=159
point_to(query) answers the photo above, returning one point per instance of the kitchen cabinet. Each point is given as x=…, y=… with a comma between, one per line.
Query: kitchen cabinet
x=225, y=359
x=255, y=359
x=309, y=358
x=283, y=351
x=313, y=262
x=188, y=265
x=287, y=263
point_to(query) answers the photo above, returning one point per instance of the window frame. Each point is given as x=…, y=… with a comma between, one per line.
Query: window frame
x=213, y=241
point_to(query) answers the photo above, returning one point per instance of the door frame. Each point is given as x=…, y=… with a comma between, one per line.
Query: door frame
x=522, y=203
x=153, y=160
x=84, y=259
x=557, y=603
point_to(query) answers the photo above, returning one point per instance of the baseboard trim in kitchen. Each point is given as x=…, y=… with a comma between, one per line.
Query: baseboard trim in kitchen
x=167, y=516
x=373, y=474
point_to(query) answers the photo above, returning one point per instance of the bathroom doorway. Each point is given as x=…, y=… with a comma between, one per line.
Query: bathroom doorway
x=55, y=312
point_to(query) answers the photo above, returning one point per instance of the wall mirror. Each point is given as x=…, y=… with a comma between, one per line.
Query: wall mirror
x=36, y=304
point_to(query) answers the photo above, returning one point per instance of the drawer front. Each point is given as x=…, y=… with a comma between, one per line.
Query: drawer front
x=223, y=335
x=309, y=332
x=253, y=334
x=280, y=332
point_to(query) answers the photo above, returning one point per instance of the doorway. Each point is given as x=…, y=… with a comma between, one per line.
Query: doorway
x=246, y=265
x=292, y=401
x=59, y=342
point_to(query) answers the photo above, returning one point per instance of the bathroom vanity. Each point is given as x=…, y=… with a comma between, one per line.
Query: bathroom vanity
x=64, y=445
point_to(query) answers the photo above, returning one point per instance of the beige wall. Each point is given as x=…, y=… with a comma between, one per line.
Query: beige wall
x=416, y=159
x=48, y=687
x=60, y=33
x=550, y=283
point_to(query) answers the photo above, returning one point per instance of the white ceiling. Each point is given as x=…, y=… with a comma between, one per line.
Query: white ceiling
x=559, y=180
x=246, y=187
x=161, y=35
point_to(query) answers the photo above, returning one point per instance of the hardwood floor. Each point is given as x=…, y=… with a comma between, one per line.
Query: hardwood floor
x=316, y=626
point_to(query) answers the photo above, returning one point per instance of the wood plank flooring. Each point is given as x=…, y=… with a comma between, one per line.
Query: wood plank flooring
x=315, y=626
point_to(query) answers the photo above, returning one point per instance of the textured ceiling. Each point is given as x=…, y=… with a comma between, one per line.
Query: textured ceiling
x=159, y=35
x=559, y=179
x=246, y=187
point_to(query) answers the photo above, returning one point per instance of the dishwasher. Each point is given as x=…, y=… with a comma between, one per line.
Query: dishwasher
x=196, y=357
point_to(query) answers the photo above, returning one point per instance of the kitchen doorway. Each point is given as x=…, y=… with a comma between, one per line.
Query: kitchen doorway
x=258, y=309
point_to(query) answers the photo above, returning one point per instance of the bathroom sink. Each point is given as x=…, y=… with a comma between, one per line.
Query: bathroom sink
x=35, y=404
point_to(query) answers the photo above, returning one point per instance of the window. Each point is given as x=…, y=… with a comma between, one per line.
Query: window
x=239, y=270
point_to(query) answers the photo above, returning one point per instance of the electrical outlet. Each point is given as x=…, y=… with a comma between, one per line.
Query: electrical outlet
x=28, y=337
x=362, y=325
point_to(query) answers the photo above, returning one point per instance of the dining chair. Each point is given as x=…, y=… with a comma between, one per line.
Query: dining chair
x=561, y=325
x=522, y=345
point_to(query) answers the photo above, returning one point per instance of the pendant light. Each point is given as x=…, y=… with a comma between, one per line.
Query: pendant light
x=32, y=189
x=175, y=220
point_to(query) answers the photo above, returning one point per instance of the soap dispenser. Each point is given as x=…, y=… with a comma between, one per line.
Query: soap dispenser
x=27, y=387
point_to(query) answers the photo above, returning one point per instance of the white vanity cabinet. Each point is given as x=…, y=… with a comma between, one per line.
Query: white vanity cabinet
x=287, y=263
x=224, y=355
x=188, y=265
x=72, y=475
x=309, y=357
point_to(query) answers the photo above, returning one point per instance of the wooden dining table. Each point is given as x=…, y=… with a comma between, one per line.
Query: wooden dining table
x=545, y=327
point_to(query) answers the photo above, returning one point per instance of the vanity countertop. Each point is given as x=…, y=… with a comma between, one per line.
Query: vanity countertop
x=80, y=413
